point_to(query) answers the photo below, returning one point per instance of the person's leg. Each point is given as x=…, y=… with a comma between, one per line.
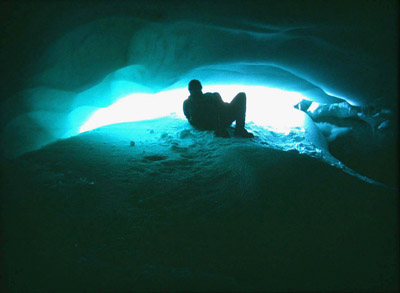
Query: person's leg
x=224, y=121
x=238, y=110
x=238, y=113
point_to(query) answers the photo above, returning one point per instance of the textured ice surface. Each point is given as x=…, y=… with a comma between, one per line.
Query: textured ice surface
x=93, y=64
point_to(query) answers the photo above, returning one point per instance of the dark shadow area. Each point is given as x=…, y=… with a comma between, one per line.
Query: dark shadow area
x=85, y=214
x=368, y=153
x=363, y=138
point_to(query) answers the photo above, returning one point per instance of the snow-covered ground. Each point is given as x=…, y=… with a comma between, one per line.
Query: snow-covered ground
x=156, y=205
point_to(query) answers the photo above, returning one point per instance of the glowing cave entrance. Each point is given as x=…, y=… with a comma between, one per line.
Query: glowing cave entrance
x=267, y=107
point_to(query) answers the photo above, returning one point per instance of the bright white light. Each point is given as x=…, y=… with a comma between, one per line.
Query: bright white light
x=268, y=107
x=138, y=107
x=313, y=107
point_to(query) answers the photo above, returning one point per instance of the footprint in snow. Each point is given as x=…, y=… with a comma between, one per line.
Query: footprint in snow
x=155, y=158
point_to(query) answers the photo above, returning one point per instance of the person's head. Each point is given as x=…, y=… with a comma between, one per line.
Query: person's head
x=195, y=87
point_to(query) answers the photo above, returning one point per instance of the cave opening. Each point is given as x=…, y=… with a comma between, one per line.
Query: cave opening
x=266, y=106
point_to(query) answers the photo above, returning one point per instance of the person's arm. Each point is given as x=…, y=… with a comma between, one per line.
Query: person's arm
x=188, y=110
x=218, y=98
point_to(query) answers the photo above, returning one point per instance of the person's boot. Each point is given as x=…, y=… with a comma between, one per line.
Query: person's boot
x=241, y=132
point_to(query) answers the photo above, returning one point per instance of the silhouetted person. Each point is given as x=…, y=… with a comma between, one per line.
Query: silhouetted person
x=209, y=112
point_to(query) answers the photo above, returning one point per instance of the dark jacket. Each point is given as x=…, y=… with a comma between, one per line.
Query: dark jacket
x=205, y=111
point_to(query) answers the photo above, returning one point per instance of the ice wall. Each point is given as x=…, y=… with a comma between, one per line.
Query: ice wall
x=327, y=52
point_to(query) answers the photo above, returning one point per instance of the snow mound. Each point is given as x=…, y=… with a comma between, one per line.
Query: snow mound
x=183, y=210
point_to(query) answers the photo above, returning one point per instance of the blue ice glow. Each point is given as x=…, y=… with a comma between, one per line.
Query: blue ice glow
x=267, y=107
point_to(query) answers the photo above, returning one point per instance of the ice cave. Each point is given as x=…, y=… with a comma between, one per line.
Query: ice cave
x=105, y=186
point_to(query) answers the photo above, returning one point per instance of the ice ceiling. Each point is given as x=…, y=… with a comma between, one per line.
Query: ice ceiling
x=64, y=61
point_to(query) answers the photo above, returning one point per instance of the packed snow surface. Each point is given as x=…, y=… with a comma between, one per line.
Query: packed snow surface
x=157, y=205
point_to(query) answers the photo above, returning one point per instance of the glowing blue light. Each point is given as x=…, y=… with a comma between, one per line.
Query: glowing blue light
x=268, y=107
